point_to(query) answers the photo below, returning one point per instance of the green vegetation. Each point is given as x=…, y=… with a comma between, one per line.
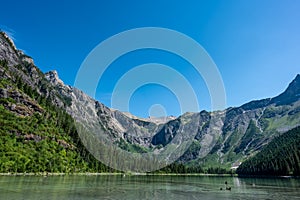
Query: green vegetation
x=35, y=144
x=180, y=168
x=280, y=157
x=43, y=140
x=134, y=148
x=36, y=136
x=251, y=135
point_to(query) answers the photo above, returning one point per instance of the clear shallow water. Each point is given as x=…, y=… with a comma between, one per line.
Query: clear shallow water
x=145, y=187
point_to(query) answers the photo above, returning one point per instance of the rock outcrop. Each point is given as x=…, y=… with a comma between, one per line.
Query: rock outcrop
x=223, y=137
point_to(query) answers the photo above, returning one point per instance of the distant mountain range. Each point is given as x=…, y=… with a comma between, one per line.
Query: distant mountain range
x=220, y=138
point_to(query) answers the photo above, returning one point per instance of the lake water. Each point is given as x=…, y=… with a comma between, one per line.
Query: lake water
x=145, y=187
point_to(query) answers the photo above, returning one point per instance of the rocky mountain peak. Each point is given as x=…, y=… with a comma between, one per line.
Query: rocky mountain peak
x=222, y=137
x=290, y=95
x=10, y=53
x=6, y=36
x=295, y=85
x=53, y=77
x=8, y=50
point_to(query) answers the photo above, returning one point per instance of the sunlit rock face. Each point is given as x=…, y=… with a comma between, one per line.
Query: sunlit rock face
x=220, y=137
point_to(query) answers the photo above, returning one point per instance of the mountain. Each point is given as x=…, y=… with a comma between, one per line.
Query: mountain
x=207, y=139
x=280, y=157
x=36, y=133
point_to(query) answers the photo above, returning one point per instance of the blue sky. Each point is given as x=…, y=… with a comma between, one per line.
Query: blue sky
x=255, y=44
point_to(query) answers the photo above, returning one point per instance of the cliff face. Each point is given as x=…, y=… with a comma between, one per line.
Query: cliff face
x=8, y=50
x=224, y=137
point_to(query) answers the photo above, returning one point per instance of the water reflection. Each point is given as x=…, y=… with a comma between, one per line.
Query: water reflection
x=146, y=187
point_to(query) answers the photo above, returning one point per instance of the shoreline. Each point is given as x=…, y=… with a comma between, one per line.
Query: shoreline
x=111, y=174
x=46, y=174
x=59, y=174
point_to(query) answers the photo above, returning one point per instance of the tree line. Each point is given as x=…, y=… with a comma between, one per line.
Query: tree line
x=280, y=157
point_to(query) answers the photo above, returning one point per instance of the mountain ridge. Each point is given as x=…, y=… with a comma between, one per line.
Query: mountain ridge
x=222, y=138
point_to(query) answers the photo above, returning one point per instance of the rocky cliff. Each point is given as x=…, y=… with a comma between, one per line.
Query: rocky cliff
x=215, y=138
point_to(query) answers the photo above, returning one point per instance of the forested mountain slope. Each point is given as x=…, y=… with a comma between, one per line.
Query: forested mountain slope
x=38, y=112
x=36, y=133
x=280, y=157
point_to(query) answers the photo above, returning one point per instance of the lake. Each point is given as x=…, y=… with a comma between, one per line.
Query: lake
x=146, y=187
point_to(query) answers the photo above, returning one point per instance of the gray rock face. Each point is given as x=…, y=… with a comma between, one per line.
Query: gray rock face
x=8, y=50
x=221, y=137
x=235, y=132
x=53, y=78
x=20, y=68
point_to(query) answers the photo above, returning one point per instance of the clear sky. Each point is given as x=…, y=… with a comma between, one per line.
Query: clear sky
x=254, y=43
